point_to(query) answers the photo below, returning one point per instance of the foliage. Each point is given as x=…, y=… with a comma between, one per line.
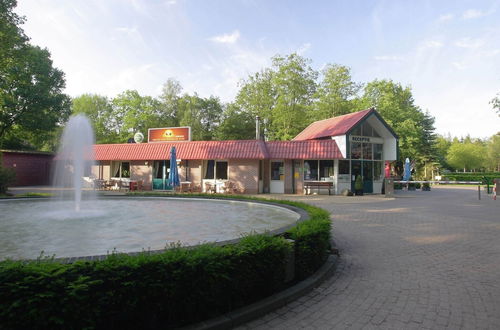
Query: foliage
x=7, y=177
x=493, y=152
x=281, y=95
x=396, y=105
x=495, y=102
x=358, y=183
x=31, y=98
x=164, y=290
x=235, y=124
x=336, y=93
x=466, y=155
x=99, y=110
x=484, y=177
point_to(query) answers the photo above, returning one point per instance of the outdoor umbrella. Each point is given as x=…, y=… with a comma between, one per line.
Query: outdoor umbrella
x=173, y=176
x=407, y=171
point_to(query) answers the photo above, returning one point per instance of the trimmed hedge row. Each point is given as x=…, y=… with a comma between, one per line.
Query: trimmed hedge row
x=165, y=290
x=472, y=177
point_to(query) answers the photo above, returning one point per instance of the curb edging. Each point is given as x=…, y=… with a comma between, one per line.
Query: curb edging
x=269, y=304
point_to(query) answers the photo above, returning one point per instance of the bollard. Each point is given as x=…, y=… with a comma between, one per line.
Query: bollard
x=479, y=192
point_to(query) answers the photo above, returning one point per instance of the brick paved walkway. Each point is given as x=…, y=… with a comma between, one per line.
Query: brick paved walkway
x=424, y=260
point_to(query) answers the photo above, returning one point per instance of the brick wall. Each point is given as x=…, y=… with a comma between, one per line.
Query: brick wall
x=195, y=172
x=245, y=174
x=32, y=169
x=139, y=170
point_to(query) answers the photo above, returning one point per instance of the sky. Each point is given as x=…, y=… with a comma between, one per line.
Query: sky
x=448, y=52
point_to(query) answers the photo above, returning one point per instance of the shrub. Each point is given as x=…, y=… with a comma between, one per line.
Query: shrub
x=163, y=290
x=476, y=176
x=7, y=177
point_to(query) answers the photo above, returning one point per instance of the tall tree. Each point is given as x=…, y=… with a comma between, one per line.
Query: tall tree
x=202, y=115
x=336, y=92
x=235, y=124
x=396, y=105
x=493, y=152
x=281, y=95
x=135, y=113
x=169, y=98
x=466, y=155
x=496, y=103
x=31, y=98
x=99, y=110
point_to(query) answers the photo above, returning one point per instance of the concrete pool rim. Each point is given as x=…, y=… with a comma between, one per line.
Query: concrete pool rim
x=302, y=213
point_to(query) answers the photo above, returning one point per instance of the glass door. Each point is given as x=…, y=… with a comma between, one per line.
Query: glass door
x=277, y=177
x=368, y=176
x=160, y=174
x=355, y=172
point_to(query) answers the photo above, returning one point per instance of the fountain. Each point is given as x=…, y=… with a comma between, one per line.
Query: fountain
x=72, y=226
x=74, y=159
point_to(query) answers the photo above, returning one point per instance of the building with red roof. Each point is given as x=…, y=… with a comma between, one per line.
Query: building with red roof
x=329, y=152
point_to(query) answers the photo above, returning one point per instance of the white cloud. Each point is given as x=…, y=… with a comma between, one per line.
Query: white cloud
x=431, y=44
x=227, y=38
x=459, y=65
x=446, y=17
x=469, y=43
x=473, y=13
x=304, y=48
x=389, y=58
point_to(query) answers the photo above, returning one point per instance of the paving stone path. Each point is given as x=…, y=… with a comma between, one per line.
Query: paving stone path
x=423, y=260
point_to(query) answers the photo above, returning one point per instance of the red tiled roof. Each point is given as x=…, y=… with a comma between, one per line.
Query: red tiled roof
x=307, y=149
x=332, y=127
x=233, y=149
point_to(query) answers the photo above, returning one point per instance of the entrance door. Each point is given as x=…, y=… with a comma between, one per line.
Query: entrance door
x=368, y=176
x=277, y=177
x=355, y=172
x=160, y=174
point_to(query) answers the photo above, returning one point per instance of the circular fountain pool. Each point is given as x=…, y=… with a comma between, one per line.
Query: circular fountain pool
x=128, y=225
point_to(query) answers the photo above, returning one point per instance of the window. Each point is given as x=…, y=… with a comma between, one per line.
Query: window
x=355, y=150
x=221, y=170
x=121, y=170
x=277, y=171
x=310, y=170
x=158, y=168
x=343, y=167
x=377, y=171
x=216, y=170
x=326, y=169
x=209, y=169
x=367, y=151
x=377, y=151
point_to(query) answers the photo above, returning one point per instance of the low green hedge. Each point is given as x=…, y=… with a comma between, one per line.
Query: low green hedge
x=472, y=177
x=165, y=290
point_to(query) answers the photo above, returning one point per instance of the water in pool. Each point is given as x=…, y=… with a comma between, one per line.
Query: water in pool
x=127, y=225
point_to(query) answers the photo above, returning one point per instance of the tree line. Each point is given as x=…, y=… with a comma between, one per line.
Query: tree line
x=287, y=96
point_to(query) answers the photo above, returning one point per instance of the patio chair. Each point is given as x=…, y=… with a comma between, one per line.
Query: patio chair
x=210, y=188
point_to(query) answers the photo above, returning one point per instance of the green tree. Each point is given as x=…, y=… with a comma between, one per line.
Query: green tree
x=99, y=110
x=281, y=95
x=493, y=152
x=235, y=124
x=32, y=104
x=466, y=155
x=496, y=103
x=202, y=115
x=169, y=99
x=135, y=113
x=396, y=105
x=336, y=93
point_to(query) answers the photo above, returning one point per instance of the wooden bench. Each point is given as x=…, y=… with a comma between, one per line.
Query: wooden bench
x=318, y=185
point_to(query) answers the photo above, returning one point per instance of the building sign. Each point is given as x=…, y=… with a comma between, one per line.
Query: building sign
x=360, y=139
x=169, y=134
